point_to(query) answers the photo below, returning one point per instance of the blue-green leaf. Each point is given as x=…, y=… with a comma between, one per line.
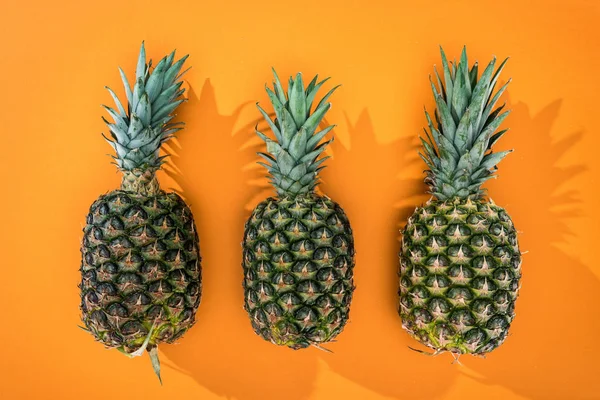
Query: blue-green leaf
x=140, y=70
x=169, y=59
x=274, y=128
x=152, y=146
x=119, y=121
x=120, y=149
x=167, y=95
x=427, y=161
x=473, y=74
x=311, y=156
x=478, y=173
x=316, y=138
x=447, y=77
x=480, y=94
x=298, y=171
x=315, y=119
x=492, y=159
x=278, y=106
x=463, y=132
x=162, y=121
x=297, y=145
x=138, y=89
x=497, y=74
x=120, y=107
x=296, y=188
x=447, y=152
x=278, y=88
x=261, y=135
x=110, y=142
x=128, y=92
x=491, y=103
x=286, y=183
x=428, y=149
x=142, y=139
x=155, y=81
x=120, y=135
x=267, y=166
x=172, y=73
x=460, y=98
x=430, y=140
x=464, y=70
x=307, y=179
x=495, y=138
x=135, y=127
x=448, y=124
x=316, y=165
x=311, y=85
x=288, y=128
x=143, y=110
x=493, y=125
x=479, y=148
x=165, y=110
x=297, y=101
x=326, y=97
x=285, y=162
x=274, y=148
x=440, y=85
x=290, y=87
x=269, y=158
x=310, y=96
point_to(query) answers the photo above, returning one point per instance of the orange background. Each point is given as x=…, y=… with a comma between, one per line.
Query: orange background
x=56, y=58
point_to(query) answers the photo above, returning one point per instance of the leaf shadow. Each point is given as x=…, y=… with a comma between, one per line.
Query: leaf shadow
x=551, y=344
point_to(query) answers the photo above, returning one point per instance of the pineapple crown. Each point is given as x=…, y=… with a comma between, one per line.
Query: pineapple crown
x=457, y=149
x=138, y=131
x=293, y=157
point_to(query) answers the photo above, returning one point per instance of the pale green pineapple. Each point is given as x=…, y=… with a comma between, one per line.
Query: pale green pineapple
x=460, y=263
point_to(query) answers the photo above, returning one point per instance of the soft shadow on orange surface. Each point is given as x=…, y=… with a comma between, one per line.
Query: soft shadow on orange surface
x=557, y=311
x=373, y=349
x=221, y=352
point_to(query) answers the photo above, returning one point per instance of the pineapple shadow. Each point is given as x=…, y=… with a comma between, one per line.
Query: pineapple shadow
x=212, y=163
x=557, y=322
x=366, y=178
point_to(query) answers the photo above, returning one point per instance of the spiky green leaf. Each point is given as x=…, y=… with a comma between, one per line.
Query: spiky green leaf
x=316, y=138
x=140, y=71
x=298, y=101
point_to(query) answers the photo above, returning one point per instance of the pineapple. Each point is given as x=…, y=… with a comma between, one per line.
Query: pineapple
x=140, y=267
x=298, y=249
x=460, y=263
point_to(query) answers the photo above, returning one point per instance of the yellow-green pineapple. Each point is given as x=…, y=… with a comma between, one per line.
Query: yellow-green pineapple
x=460, y=263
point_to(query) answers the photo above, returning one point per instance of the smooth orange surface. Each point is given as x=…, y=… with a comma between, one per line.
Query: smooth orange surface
x=56, y=58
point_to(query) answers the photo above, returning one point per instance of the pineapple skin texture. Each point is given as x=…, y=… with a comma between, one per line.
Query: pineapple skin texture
x=298, y=265
x=140, y=269
x=460, y=268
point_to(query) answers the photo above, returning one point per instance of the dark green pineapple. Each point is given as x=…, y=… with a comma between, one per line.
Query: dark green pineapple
x=298, y=246
x=140, y=268
x=460, y=263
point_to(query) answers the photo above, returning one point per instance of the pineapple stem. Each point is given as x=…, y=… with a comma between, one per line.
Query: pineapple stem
x=140, y=181
x=153, y=353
